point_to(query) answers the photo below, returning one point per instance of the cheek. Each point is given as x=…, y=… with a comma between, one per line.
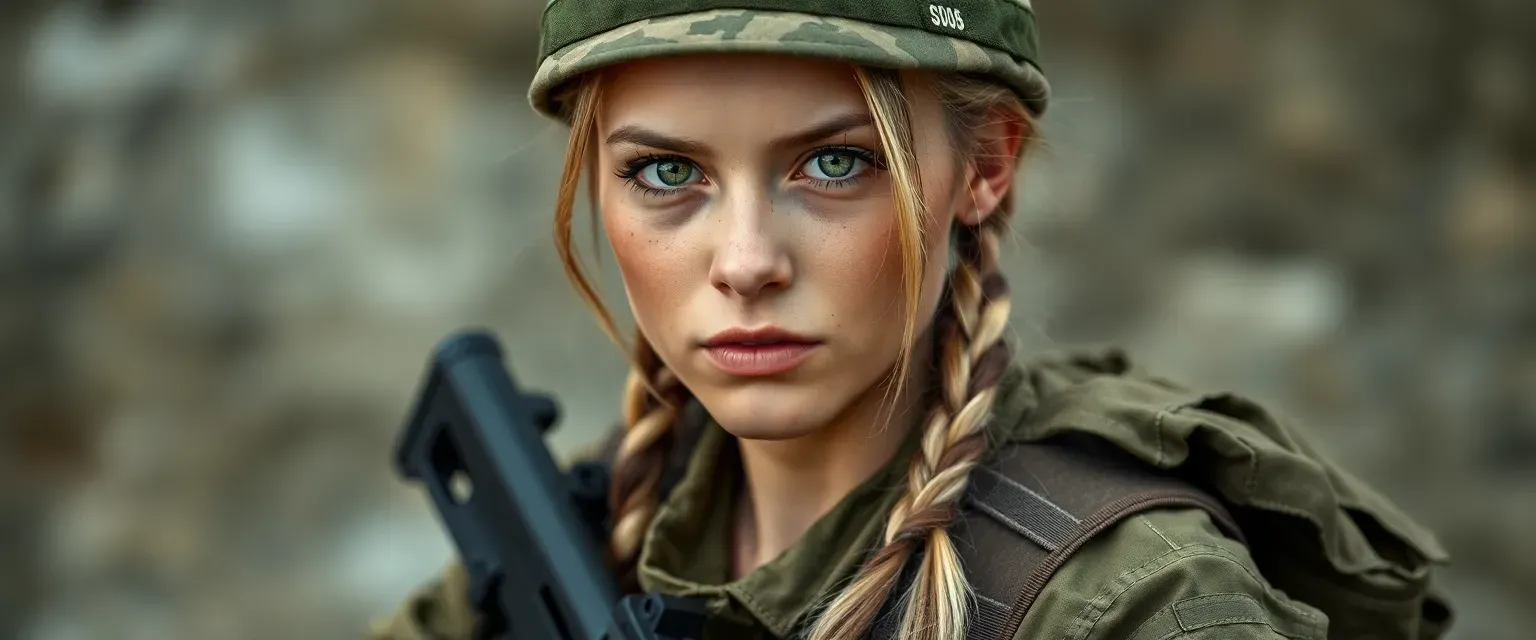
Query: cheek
x=859, y=263
x=859, y=266
x=653, y=272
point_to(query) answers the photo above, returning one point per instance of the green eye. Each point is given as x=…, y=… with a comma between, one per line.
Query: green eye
x=673, y=174
x=834, y=165
x=666, y=174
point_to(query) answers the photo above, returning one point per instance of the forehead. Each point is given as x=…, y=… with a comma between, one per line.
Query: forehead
x=764, y=91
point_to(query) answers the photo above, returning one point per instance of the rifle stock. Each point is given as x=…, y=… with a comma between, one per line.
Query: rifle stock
x=535, y=567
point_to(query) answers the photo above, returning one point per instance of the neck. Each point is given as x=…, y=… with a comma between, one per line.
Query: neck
x=790, y=484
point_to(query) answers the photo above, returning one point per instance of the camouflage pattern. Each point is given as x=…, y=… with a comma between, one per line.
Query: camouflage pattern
x=788, y=33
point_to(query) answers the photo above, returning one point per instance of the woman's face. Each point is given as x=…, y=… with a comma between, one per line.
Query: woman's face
x=756, y=233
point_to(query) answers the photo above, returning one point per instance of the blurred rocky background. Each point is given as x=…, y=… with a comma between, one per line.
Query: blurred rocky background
x=231, y=230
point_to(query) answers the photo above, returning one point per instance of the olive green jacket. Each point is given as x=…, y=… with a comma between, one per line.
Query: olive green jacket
x=1163, y=575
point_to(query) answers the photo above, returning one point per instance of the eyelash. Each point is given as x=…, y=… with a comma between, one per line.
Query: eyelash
x=633, y=168
x=873, y=160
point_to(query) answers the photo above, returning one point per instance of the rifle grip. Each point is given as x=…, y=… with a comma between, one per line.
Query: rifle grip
x=544, y=412
x=589, y=490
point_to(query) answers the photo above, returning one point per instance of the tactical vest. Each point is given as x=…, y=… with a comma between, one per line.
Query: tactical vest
x=1033, y=504
x=1026, y=512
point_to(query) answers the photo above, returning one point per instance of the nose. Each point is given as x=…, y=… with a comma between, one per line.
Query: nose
x=749, y=261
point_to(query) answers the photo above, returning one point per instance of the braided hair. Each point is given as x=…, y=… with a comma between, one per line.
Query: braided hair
x=971, y=357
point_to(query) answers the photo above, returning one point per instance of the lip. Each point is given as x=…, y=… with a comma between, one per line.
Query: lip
x=760, y=335
x=758, y=352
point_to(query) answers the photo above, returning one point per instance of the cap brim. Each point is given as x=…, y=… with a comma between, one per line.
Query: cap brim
x=737, y=31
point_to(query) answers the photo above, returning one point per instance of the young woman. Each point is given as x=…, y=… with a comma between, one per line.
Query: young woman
x=806, y=206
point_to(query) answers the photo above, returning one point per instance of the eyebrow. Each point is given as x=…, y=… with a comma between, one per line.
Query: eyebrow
x=636, y=134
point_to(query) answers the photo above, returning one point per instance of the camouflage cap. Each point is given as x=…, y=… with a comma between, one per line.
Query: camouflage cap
x=996, y=38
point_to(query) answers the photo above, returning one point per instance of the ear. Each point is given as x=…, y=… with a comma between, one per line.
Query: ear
x=989, y=171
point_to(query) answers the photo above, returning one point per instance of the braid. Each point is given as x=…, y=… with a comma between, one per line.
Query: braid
x=972, y=358
x=653, y=396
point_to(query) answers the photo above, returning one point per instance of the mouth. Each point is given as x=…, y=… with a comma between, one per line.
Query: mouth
x=758, y=352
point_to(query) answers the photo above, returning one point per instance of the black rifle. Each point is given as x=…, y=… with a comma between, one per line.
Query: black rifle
x=529, y=536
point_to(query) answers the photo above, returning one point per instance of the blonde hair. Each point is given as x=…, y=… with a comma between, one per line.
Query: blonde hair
x=970, y=351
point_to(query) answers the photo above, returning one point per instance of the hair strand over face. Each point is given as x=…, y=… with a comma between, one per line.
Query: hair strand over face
x=971, y=357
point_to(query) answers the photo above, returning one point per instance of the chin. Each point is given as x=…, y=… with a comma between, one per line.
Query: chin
x=769, y=411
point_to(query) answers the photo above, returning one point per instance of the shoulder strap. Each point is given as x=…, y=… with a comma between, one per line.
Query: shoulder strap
x=1034, y=505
